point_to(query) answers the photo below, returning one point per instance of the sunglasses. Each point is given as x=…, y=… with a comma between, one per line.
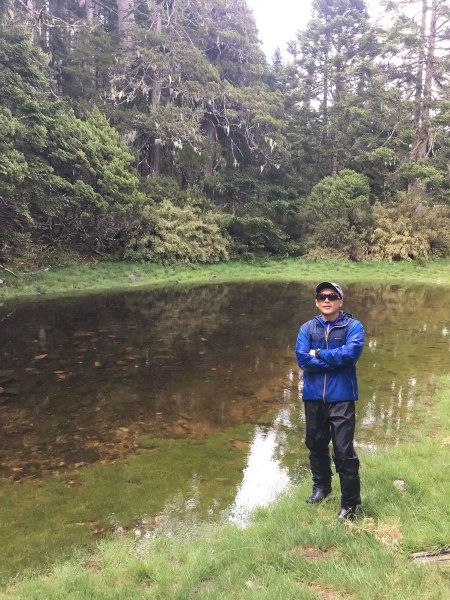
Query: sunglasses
x=331, y=297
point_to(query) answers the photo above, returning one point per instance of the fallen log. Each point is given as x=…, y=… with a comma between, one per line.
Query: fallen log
x=432, y=557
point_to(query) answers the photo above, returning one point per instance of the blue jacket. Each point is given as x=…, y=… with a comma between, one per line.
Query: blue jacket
x=332, y=376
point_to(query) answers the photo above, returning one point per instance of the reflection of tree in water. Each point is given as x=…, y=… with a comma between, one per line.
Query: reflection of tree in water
x=406, y=343
x=82, y=379
x=90, y=375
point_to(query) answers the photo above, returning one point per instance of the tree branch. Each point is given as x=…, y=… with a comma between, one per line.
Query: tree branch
x=8, y=271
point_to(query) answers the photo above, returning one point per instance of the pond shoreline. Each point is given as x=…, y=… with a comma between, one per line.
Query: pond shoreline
x=291, y=548
x=105, y=276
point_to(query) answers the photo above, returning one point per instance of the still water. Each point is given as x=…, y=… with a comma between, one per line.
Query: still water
x=119, y=411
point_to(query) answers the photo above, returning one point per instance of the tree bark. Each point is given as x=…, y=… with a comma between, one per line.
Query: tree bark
x=420, y=66
x=11, y=10
x=89, y=10
x=421, y=150
x=43, y=29
x=125, y=17
x=211, y=134
x=155, y=161
x=429, y=66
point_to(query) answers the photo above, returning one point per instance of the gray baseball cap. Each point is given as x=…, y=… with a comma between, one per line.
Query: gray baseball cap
x=330, y=285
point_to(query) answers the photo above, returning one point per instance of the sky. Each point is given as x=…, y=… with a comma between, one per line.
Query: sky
x=278, y=20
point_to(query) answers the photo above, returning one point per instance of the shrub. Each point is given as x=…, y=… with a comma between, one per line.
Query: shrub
x=420, y=176
x=409, y=229
x=257, y=235
x=337, y=216
x=168, y=234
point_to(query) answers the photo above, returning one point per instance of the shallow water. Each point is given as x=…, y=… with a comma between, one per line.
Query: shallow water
x=183, y=401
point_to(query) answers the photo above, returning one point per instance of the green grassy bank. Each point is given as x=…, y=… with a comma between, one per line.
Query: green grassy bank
x=85, y=278
x=292, y=550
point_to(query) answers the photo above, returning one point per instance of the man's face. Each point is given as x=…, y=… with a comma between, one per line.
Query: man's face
x=328, y=308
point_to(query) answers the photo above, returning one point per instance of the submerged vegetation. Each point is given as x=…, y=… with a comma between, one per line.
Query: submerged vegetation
x=291, y=550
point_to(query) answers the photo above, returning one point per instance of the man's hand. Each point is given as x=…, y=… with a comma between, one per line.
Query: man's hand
x=315, y=352
x=312, y=352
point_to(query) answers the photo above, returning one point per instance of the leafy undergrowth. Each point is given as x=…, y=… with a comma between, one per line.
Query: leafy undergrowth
x=292, y=550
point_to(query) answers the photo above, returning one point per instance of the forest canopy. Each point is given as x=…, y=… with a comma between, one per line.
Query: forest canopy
x=157, y=130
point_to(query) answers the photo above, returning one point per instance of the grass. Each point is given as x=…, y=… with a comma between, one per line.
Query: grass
x=291, y=550
x=102, y=276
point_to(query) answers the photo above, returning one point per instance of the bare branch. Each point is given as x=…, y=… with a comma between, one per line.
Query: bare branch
x=8, y=271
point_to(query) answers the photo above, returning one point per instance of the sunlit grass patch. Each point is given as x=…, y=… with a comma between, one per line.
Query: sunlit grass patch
x=108, y=275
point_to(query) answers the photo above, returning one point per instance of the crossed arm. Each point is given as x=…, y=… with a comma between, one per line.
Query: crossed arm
x=329, y=360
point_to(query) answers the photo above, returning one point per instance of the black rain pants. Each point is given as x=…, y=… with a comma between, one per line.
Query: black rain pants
x=334, y=422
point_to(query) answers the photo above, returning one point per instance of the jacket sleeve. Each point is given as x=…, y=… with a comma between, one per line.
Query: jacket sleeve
x=350, y=352
x=305, y=360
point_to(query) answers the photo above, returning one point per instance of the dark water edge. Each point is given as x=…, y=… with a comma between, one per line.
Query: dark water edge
x=119, y=411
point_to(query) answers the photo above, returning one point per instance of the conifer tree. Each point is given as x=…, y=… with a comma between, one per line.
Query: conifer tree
x=330, y=74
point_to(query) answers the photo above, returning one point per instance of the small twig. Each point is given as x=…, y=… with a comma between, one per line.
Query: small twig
x=7, y=316
x=9, y=271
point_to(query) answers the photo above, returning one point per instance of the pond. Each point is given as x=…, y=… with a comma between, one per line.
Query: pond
x=121, y=412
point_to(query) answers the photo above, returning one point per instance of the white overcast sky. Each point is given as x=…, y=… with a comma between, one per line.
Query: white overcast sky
x=278, y=20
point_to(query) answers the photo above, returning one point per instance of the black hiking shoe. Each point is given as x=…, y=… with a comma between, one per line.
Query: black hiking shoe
x=318, y=495
x=347, y=513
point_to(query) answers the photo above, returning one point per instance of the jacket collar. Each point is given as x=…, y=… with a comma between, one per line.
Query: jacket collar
x=342, y=319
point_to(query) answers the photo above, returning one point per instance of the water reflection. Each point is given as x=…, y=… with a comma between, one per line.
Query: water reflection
x=264, y=477
x=82, y=380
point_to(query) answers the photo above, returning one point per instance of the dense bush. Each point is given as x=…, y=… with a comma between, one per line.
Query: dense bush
x=253, y=235
x=166, y=233
x=410, y=229
x=337, y=215
x=420, y=176
x=63, y=179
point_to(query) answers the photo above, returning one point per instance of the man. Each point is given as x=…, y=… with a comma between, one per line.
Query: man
x=327, y=349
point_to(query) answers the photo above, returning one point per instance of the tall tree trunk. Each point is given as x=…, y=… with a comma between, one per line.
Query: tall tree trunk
x=11, y=10
x=325, y=104
x=337, y=120
x=125, y=17
x=325, y=91
x=211, y=134
x=89, y=10
x=88, y=6
x=43, y=28
x=430, y=63
x=420, y=67
x=422, y=148
x=156, y=101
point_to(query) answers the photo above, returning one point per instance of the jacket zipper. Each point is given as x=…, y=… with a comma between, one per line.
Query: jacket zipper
x=327, y=333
